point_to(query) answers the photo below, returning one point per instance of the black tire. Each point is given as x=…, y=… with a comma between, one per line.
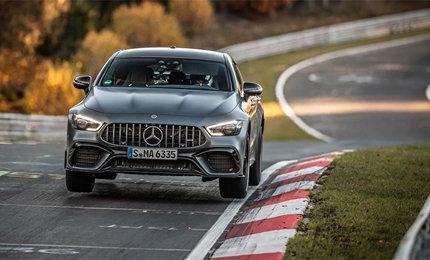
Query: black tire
x=255, y=169
x=106, y=176
x=233, y=188
x=79, y=181
x=236, y=188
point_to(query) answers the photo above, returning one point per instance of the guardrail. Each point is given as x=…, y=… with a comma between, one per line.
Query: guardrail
x=416, y=242
x=361, y=29
x=38, y=128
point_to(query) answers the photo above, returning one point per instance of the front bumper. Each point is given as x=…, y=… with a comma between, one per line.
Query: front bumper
x=219, y=157
x=105, y=151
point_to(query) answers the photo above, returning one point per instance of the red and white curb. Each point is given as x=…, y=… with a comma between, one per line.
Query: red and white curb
x=264, y=228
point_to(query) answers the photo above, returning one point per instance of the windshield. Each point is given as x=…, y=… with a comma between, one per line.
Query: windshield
x=167, y=73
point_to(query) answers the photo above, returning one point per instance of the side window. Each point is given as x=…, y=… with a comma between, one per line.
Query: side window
x=239, y=78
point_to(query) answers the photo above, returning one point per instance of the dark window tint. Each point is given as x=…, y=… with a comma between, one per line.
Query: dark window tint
x=167, y=72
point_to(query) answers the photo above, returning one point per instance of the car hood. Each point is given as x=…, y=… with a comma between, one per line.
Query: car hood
x=198, y=103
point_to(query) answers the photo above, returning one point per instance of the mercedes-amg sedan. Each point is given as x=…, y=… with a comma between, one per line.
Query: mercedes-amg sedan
x=166, y=111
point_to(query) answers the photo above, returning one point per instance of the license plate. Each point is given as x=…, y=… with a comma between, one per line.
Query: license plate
x=152, y=153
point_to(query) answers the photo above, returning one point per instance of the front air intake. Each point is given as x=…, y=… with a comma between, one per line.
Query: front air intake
x=86, y=156
x=221, y=162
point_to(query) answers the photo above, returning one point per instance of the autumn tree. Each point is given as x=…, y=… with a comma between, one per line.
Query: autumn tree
x=23, y=25
x=96, y=49
x=51, y=92
x=195, y=17
x=21, y=22
x=147, y=25
x=256, y=8
x=67, y=30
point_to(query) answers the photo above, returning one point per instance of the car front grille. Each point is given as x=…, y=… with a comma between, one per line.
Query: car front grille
x=221, y=162
x=86, y=156
x=172, y=136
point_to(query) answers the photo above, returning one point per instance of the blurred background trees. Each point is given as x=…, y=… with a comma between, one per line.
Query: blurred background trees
x=44, y=44
x=257, y=9
x=195, y=16
x=95, y=50
x=24, y=24
x=147, y=24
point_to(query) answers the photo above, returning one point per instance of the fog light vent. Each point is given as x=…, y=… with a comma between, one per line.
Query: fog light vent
x=87, y=156
x=221, y=162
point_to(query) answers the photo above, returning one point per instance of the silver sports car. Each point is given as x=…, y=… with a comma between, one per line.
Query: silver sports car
x=166, y=111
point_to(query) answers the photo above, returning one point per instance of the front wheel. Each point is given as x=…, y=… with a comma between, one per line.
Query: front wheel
x=79, y=181
x=255, y=169
x=236, y=188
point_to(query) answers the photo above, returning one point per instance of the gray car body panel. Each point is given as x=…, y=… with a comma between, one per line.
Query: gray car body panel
x=193, y=103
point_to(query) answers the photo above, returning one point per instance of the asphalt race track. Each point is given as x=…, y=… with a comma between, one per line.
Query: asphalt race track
x=366, y=100
x=377, y=96
x=129, y=218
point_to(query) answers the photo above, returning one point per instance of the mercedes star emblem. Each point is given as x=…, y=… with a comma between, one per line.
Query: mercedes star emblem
x=152, y=136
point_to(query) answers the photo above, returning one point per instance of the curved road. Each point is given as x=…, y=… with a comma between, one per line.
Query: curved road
x=372, y=99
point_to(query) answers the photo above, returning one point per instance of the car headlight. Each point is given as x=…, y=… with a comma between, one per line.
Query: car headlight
x=225, y=128
x=86, y=123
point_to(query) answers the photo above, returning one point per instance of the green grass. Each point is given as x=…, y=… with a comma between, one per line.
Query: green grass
x=267, y=70
x=370, y=198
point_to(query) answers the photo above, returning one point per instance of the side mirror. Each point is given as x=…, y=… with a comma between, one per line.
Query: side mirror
x=252, y=89
x=82, y=82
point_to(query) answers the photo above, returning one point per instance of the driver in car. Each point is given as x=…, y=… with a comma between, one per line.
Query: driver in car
x=198, y=79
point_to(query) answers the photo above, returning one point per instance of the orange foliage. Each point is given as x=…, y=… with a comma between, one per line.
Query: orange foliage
x=25, y=25
x=147, y=25
x=253, y=8
x=96, y=49
x=52, y=92
x=16, y=71
x=195, y=16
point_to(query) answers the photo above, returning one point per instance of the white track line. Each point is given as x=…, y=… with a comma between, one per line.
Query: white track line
x=428, y=92
x=94, y=247
x=267, y=242
x=325, y=57
x=137, y=210
x=210, y=238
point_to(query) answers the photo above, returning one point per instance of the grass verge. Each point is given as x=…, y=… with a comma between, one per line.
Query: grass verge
x=266, y=71
x=369, y=200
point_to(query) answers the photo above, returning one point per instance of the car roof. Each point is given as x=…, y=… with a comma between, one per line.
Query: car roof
x=172, y=52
